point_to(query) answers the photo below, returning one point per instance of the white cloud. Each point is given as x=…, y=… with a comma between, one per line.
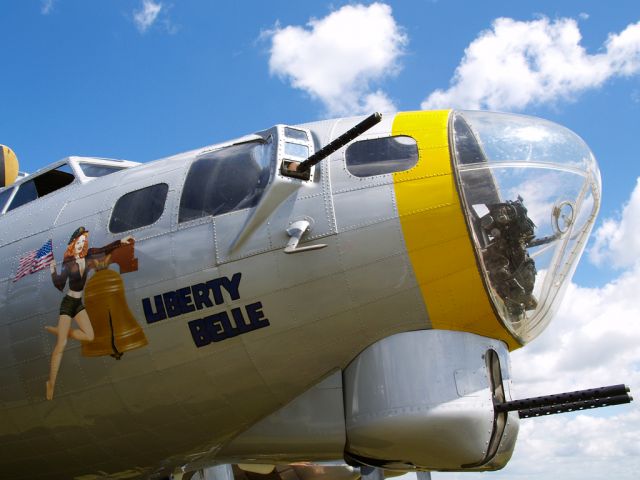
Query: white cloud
x=617, y=241
x=376, y=102
x=336, y=59
x=147, y=15
x=594, y=340
x=46, y=6
x=515, y=64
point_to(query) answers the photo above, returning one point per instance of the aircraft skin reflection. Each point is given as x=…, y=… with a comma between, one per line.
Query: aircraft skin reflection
x=385, y=344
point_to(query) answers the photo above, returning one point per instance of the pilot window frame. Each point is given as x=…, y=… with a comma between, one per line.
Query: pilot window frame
x=26, y=193
x=203, y=190
x=296, y=144
x=130, y=211
x=357, y=167
x=5, y=197
x=41, y=185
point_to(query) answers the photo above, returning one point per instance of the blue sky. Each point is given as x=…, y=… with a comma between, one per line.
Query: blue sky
x=142, y=79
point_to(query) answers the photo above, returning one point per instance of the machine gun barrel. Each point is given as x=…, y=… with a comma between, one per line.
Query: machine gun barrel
x=341, y=141
x=567, y=402
x=574, y=406
x=536, y=242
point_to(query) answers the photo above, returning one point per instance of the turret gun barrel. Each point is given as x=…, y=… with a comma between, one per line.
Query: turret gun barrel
x=567, y=402
x=536, y=242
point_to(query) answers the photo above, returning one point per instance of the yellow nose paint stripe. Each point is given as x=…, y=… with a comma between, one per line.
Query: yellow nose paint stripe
x=436, y=234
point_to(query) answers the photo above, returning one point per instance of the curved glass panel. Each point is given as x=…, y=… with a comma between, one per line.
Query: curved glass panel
x=94, y=170
x=531, y=191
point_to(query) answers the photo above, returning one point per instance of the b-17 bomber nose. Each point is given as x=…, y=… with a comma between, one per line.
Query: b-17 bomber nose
x=530, y=191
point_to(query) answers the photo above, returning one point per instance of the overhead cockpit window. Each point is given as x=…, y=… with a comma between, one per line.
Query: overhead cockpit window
x=225, y=180
x=138, y=208
x=93, y=170
x=42, y=185
x=295, y=134
x=379, y=156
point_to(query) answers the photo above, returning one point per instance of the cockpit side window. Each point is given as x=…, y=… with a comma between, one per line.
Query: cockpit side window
x=4, y=196
x=54, y=180
x=26, y=193
x=138, y=208
x=225, y=180
x=42, y=185
x=379, y=156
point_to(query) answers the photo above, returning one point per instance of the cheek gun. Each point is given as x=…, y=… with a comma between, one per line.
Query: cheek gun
x=567, y=402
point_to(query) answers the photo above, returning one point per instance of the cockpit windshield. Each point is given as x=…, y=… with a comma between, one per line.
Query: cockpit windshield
x=225, y=180
x=531, y=190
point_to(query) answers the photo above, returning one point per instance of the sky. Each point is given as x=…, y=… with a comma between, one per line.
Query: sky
x=144, y=79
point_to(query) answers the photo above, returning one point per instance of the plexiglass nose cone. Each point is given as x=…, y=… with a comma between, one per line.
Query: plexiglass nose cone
x=531, y=191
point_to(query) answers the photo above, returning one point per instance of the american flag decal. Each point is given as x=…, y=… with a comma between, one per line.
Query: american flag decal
x=35, y=260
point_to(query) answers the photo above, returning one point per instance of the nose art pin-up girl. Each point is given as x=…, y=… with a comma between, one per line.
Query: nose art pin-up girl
x=78, y=260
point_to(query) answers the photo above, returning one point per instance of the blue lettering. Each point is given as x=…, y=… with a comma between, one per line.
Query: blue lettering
x=219, y=326
x=199, y=332
x=212, y=328
x=184, y=299
x=256, y=315
x=215, y=288
x=150, y=315
x=201, y=297
x=232, y=286
x=171, y=304
x=238, y=318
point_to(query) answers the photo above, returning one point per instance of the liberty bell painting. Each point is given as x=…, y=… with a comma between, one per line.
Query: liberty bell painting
x=116, y=329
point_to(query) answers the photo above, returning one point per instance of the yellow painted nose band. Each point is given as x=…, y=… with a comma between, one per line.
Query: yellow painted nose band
x=436, y=234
